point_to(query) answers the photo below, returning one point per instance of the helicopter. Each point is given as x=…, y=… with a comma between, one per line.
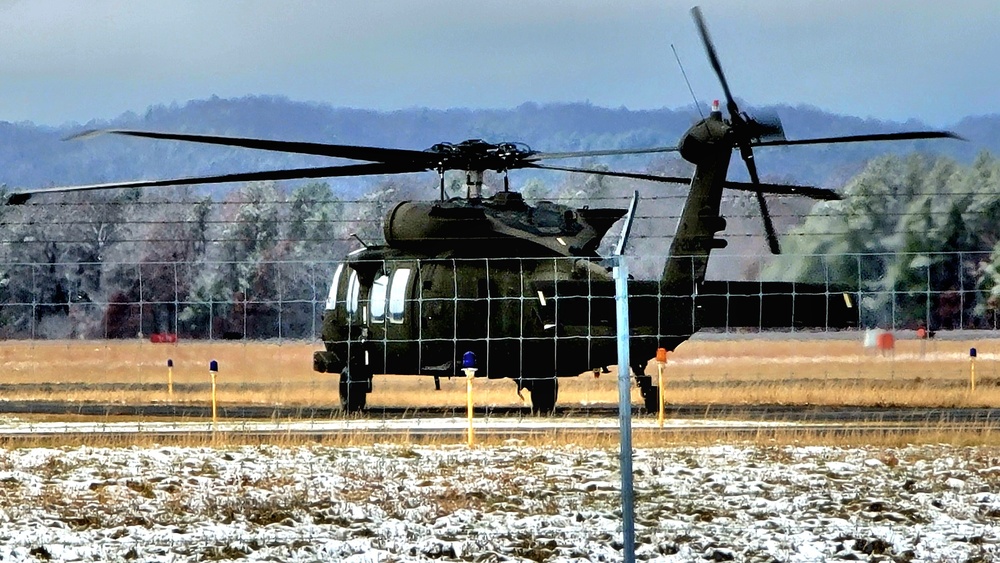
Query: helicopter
x=521, y=289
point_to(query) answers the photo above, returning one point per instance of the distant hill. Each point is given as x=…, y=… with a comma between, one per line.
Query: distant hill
x=35, y=156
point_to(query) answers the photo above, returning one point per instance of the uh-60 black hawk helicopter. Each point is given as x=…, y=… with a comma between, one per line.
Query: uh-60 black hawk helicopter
x=523, y=287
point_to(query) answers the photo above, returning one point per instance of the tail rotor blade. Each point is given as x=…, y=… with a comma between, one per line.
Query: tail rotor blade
x=772, y=236
x=769, y=231
x=713, y=58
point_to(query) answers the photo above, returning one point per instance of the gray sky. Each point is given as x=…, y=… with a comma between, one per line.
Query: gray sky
x=71, y=60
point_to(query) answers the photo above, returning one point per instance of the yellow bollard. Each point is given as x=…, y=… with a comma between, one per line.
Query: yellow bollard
x=170, y=379
x=213, y=368
x=972, y=370
x=468, y=366
x=470, y=374
x=661, y=362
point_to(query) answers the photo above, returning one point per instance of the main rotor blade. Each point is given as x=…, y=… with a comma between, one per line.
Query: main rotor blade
x=372, y=169
x=579, y=154
x=812, y=192
x=372, y=154
x=908, y=135
x=778, y=189
x=699, y=20
x=634, y=175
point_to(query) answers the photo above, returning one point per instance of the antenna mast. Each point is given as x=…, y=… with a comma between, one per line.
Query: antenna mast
x=688, y=82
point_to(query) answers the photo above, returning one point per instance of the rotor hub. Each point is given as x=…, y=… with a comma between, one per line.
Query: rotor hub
x=478, y=155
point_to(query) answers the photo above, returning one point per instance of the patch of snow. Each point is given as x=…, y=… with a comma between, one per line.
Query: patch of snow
x=513, y=502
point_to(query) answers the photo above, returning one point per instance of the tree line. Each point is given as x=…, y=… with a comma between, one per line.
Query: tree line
x=252, y=264
x=915, y=234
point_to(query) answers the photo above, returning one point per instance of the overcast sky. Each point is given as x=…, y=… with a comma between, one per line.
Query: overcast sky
x=72, y=60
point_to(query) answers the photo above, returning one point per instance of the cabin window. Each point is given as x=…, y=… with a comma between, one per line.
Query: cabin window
x=352, y=293
x=397, y=294
x=378, y=298
x=331, y=299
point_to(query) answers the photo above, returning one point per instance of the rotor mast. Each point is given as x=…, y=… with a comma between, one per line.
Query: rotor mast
x=474, y=185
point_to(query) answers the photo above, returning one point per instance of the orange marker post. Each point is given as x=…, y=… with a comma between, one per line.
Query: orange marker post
x=886, y=342
x=661, y=362
x=922, y=336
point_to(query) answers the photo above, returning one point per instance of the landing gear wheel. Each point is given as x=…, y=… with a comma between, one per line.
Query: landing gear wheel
x=353, y=392
x=651, y=399
x=544, y=393
x=650, y=394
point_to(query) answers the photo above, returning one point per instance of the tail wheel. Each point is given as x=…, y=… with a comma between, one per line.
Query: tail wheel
x=353, y=392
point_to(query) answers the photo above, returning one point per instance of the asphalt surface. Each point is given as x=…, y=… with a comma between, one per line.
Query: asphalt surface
x=761, y=413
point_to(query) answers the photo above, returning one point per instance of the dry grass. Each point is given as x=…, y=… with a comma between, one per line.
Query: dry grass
x=969, y=435
x=740, y=371
x=831, y=372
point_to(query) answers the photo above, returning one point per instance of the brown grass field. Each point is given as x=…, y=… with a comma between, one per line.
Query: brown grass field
x=750, y=370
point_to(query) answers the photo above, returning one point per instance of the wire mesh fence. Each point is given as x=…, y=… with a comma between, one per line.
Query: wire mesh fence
x=95, y=300
x=523, y=318
x=286, y=299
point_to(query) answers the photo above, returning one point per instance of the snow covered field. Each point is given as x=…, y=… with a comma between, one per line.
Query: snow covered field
x=510, y=503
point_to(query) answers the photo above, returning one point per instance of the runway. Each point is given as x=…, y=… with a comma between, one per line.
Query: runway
x=119, y=421
x=763, y=412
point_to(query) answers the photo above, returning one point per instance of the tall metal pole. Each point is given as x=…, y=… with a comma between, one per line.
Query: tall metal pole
x=625, y=411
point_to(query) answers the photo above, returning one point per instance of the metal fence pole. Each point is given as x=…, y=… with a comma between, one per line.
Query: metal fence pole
x=278, y=267
x=34, y=300
x=625, y=411
x=177, y=306
x=927, y=303
x=142, y=302
x=961, y=290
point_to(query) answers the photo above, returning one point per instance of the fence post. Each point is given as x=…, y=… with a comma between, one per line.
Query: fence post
x=625, y=411
x=961, y=290
x=177, y=305
x=927, y=312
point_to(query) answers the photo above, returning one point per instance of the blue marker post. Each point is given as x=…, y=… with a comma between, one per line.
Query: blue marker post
x=972, y=370
x=213, y=369
x=469, y=367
